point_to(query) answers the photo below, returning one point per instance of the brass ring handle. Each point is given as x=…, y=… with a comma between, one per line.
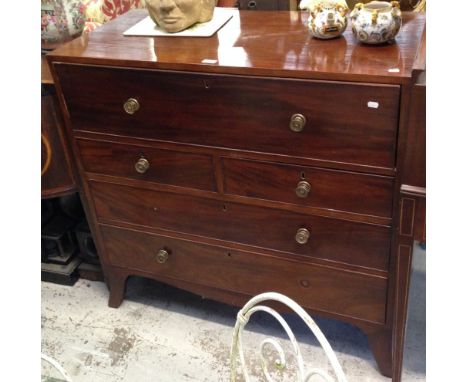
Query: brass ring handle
x=131, y=106
x=297, y=122
x=162, y=256
x=302, y=235
x=302, y=189
x=142, y=165
x=252, y=4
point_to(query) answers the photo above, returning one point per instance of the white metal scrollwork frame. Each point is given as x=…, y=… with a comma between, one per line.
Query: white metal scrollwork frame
x=55, y=364
x=242, y=319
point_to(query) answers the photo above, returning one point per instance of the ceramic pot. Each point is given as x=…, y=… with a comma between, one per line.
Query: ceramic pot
x=327, y=18
x=61, y=20
x=376, y=22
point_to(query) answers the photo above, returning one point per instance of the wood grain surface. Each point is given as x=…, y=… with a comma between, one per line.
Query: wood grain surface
x=57, y=172
x=165, y=166
x=331, y=239
x=243, y=272
x=330, y=189
x=272, y=43
x=250, y=114
x=220, y=191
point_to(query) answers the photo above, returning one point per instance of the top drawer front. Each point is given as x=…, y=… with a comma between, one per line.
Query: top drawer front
x=238, y=112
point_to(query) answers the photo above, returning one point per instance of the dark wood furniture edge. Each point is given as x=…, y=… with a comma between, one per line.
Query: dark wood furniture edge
x=404, y=214
x=64, y=143
x=418, y=197
x=113, y=283
x=256, y=72
x=46, y=76
x=380, y=342
x=57, y=192
x=400, y=266
x=413, y=190
x=409, y=197
x=420, y=60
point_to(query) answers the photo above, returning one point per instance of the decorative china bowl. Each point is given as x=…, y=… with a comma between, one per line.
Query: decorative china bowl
x=376, y=22
x=327, y=17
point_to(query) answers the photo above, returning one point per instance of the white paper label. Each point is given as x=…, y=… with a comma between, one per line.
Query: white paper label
x=373, y=104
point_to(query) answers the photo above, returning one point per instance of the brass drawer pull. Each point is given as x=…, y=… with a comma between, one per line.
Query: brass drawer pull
x=297, y=123
x=303, y=189
x=142, y=165
x=162, y=256
x=302, y=235
x=131, y=106
x=252, y=4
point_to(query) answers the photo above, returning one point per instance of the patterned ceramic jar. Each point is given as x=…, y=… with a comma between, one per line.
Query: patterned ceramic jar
x=376, y=22
x=327, y=17
x=61, y=20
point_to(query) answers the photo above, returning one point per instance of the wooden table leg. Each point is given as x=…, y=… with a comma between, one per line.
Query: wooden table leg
x=116, y=281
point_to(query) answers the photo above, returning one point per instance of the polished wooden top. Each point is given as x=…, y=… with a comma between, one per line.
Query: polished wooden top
x=267, y=43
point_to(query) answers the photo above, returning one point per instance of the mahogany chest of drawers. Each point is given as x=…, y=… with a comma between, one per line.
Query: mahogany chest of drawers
x=254, y=160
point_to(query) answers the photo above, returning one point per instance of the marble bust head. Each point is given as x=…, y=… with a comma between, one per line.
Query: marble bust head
x=177, y=15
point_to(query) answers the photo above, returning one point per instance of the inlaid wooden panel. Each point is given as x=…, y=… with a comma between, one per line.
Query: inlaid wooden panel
x=330, y=239
x=414, y=166
x=354, y=294
x=56, y=168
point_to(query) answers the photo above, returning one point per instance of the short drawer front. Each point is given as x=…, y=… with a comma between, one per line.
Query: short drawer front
x=161, y=166
x=329, y=239
x=308, y=186
x=238, y=112
x=354, y=295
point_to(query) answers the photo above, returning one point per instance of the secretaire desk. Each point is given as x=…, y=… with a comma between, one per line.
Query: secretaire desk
x=254, y=160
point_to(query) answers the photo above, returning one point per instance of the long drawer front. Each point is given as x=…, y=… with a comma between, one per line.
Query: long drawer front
x=329, y=239
x=340, y=122
x=354, y=295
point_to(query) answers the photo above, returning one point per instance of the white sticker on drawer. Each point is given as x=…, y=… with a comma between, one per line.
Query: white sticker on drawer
x=373, y=105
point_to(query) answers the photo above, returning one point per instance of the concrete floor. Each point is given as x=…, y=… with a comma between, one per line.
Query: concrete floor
x=167, y=335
